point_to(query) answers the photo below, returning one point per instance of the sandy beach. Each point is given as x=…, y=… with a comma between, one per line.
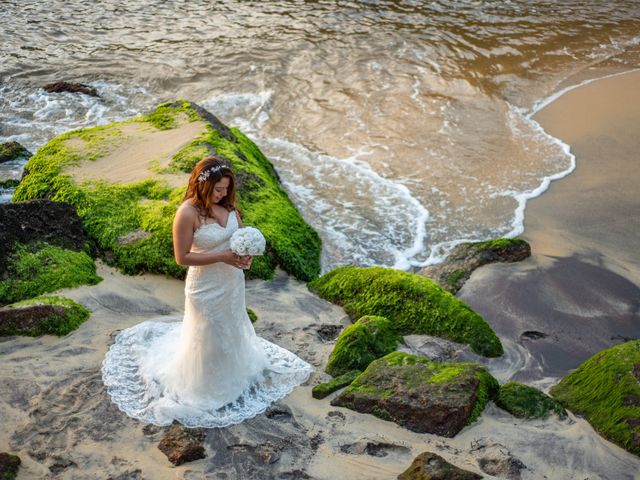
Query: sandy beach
x=580, y=290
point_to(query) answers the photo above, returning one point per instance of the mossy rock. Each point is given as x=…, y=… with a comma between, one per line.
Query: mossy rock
x=456, y=269
x=359, y=344
x=429, y=466
x=419, y=394
x=523, y=401
x=12, y=151
x=46, y=315
x=415, y=304
x=9, y=465
x=606, y=391
x=324, y=389
x=39, y=268
x=114, y=211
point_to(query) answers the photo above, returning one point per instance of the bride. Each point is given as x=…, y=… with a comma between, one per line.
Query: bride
x=211, y=369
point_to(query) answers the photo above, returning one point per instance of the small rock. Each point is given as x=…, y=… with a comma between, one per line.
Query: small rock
x=9, y=465
x=12, y=151
x=71, y=87
x=181, y=444
x=497, y=460
x=328, y=332
x=430, y=466
x=466, y=257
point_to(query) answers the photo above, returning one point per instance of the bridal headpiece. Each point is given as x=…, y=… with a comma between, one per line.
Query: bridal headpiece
x=206, y=173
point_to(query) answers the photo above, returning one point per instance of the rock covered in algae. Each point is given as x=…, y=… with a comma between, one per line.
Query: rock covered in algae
x=414, y=303
x=419, y=394
x=429, y=466
x=466, y=257
x=359, y=344
x=50, y=315
x=606, y=391
x=523, y=401
x=127, y=179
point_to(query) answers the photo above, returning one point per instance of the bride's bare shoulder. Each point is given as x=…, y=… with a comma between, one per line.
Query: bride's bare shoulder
x=187, y=211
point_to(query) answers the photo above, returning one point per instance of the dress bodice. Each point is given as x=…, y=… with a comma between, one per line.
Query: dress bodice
x=213, y=237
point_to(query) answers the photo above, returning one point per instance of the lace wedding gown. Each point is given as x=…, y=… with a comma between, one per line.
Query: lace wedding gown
x=211, y=369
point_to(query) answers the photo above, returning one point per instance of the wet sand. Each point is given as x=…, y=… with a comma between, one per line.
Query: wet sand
x=580, y=290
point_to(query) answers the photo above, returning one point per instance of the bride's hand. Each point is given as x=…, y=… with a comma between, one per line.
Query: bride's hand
x=233, y=259
x=246, y=262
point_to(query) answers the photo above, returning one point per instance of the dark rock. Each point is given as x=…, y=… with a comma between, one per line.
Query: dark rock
x=9, y=465
x=498, y=461
x=13, y=151
x=533, y=335
x=217, y=125
x=128, y=475
x=181, y=444
x=373, y=449
x=55, y=223
x=430, y=466
x=466, y=257
x=71, y=87
x=61, y=463
x=419, y=394
x=328, y=332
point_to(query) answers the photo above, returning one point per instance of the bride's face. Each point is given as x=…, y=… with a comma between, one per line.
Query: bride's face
x=220, y=189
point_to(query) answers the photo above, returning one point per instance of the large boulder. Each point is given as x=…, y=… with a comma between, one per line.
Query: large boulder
x=466, y=257
x=359, y=344
x=127, y=179
x=606, y=391
x=429, y=466
x=42, y=315
x=419, y=394
x=415, y=304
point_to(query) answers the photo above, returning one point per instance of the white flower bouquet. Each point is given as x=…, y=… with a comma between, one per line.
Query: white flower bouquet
x=248, y=241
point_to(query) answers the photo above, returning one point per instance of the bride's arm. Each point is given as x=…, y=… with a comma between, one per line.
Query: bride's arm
x=183, y=226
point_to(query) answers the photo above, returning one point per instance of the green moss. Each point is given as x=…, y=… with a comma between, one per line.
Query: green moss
x=324, y=389
x=252, y=315
x=498, y=244
x=68, y=318
x=487, y=390
x=11, y=183
x=112, y=211
x=456, y=275
x=523, y=401
x=359, y=344
x=12, y=151
x=412, y=374
x=606, y=391
x=39, y=268
x=415, y=304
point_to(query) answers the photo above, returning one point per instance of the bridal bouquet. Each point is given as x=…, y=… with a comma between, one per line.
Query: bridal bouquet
x=248, y=241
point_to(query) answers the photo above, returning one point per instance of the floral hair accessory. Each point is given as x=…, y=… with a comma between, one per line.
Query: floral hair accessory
x=206, y=173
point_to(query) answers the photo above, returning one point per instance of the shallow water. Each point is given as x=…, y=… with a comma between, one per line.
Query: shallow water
x=399, y=128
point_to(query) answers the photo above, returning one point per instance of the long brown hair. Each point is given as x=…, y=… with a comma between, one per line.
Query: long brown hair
x=207, y=172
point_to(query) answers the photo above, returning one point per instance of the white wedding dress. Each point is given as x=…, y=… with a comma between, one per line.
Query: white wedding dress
x=211, y=369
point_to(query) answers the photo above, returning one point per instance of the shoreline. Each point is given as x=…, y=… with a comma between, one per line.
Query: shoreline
x=581, y=286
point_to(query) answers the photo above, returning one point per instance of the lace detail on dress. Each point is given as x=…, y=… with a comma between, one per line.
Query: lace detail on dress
x=211, y=369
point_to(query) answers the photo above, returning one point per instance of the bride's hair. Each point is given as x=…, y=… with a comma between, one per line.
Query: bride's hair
x=207, y=172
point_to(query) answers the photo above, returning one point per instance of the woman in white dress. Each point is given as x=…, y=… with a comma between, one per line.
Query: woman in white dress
x=211, y=369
